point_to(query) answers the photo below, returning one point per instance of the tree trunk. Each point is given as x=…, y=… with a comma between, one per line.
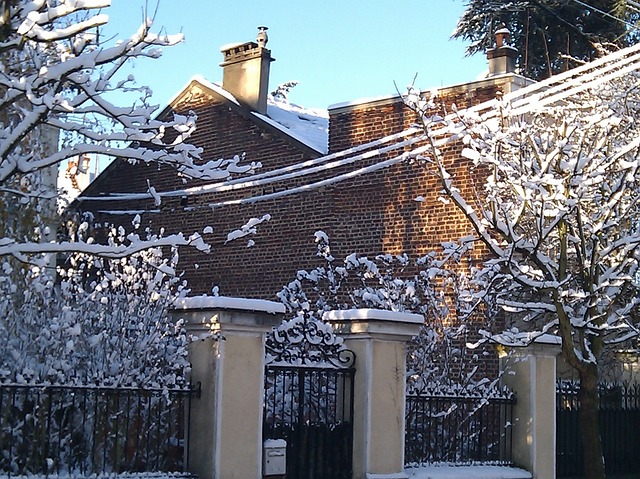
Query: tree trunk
x=589, y=424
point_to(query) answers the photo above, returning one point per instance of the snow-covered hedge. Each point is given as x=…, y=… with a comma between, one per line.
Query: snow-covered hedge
x=434, y=285
x=92, y=321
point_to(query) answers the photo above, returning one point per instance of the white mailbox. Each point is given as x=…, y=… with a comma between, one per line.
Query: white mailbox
x=274, y=457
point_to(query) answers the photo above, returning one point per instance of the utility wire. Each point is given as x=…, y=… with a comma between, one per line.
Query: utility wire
x=523, y=101
x=607, y=14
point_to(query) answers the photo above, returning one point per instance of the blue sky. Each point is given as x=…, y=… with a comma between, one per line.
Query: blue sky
x=338, y=50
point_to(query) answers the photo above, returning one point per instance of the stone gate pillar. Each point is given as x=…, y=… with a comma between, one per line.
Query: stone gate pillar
x=531, y=373
x=225, y=437
x=379, y=339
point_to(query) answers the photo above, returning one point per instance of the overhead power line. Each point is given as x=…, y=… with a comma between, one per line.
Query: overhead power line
x=607, y=14
x=388, y=151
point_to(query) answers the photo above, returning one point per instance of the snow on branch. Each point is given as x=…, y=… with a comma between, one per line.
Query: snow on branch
x=58, y=79
x=249, y=228
x=23, y=251
x=434, y=286
x=56, y=74
x=556, y=203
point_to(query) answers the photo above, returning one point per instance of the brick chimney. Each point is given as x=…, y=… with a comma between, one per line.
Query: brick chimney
x=245, y=71
x=502, y=58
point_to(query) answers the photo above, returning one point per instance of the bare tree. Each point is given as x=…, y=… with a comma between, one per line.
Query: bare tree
x=59, y=78
x=556, y=206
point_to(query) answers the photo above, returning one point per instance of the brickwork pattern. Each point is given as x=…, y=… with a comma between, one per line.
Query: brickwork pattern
x=370, y=214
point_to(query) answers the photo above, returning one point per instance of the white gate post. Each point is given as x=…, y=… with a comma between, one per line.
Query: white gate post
x=531, y=373
x=225, y=430
x=379, y=339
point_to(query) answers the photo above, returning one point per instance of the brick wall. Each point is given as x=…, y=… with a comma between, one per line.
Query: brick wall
x=381, y=207
x=378, y=213
x=368, y=214
x=240, y=271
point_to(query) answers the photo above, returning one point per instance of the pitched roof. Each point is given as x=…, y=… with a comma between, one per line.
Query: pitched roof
x=310, y=127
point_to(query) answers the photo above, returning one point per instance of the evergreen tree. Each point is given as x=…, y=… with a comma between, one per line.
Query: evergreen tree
x=550, y=35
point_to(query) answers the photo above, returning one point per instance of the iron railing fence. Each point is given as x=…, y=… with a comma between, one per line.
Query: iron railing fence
x=458, y=429
x=91, y=430
x=619, y=419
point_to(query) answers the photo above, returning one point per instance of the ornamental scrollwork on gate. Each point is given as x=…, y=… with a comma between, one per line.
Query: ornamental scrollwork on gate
x=305, y=340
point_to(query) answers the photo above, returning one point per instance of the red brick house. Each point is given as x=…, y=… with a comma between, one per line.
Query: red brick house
x=362, y=195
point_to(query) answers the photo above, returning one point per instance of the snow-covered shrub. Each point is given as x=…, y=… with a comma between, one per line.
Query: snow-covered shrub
x=435, y=286
x=93, y=321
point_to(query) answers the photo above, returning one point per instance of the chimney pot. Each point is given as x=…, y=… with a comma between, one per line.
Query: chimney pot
x=502, y=36
x=502, y=58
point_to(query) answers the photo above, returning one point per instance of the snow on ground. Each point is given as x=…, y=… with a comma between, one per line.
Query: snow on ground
x=126, y=475
x=423, y=472
x=467, y=472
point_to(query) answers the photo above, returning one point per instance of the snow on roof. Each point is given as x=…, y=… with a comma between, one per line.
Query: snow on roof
x=310, y=126
x=212, y=86
x=365, y=100
x=225, y=302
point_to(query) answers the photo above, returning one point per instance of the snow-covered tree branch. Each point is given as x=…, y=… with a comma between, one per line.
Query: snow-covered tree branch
x=557, y=207
x=56, y=73
x=128, y=245
x=60, y=83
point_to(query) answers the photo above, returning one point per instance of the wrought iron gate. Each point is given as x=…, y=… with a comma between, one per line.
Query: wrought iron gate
x=308, y=400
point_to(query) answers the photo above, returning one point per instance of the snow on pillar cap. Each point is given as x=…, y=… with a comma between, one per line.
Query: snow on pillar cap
x=367, y=314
